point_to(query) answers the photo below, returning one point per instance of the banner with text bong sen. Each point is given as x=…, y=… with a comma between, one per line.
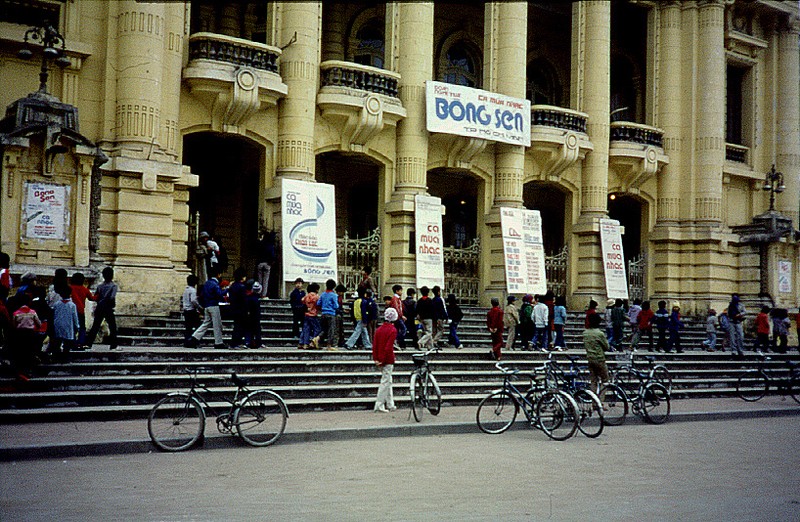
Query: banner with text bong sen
x=474, y=113
x=613, y=259
x=429, y=251
x=309, y=231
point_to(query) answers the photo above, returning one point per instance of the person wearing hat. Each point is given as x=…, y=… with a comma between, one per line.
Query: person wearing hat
x=510, y=321
x=383, y=355
x=252, y=321
x=675, y=327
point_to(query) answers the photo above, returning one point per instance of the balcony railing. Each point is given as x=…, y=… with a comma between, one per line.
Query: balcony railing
x=232, y=50
x=736, y=153
x=335, y=73
x=558, y=117
x=637, y=133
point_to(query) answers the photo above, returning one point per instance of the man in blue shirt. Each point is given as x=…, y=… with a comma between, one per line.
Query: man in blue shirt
x=328, y=304
x=210, y=296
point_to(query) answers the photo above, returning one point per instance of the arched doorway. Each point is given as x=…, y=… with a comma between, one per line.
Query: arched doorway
x=226, y=201
x=552, y=203
x=629, y=212
x=356, y=178
x=460, y=193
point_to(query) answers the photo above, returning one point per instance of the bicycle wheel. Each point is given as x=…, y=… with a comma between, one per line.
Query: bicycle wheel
x=794, y=388
x=433, y=395
x=628, y=380
x=615, y=404
x=661, y=375
x=497, y=412
x=176, y=422
x=261, y=418
x=752, y=385
x=557, y=414
x=655, y=403
x=417, y=393
x=590, y=413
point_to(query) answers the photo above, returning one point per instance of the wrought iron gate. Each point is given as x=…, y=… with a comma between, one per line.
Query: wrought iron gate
x=354, y=253
x=555, y=266
x=461, y=271
x=637, y=277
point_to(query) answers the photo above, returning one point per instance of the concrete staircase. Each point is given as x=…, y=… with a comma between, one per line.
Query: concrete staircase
x=103, y=384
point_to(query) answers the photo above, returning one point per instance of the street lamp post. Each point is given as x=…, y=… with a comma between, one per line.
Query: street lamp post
x=773, y=183
x=54, y=48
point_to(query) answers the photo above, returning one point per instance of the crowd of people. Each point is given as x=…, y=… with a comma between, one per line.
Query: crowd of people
x=42, y=324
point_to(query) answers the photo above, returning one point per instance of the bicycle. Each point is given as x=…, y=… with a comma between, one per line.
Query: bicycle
x=423, y=388
x=647, y=397
x=753, y=384
x=590, y=408
x=549, y=409
x=655, y=372
x=178, y=421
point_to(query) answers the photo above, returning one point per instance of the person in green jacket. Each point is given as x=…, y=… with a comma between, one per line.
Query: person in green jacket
x=596, y=344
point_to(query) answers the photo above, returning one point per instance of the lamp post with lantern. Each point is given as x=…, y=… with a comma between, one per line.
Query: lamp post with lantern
x=54, y=48
x=774, y=184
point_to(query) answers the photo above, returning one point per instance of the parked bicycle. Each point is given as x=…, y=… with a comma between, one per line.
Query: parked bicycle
x=753, y=384
x=646, y=396
x=548, y=409
x=423, y=388
x=655, y=372
x=590, y=408
x=178, y=420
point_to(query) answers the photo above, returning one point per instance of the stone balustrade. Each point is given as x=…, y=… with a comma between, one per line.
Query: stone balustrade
x=637, y=133
x=558, y=117
x=236, y=51
x=736, y=153
x=335, y=73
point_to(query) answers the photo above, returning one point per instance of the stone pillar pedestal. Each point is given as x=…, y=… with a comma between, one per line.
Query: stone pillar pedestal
x=788, y=138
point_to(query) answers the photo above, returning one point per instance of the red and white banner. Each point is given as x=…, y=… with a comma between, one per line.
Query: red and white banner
x=613, y=259
x=430, y=254
x=523, y=250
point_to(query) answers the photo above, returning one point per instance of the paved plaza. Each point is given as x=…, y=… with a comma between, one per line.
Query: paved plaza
x=738, y=469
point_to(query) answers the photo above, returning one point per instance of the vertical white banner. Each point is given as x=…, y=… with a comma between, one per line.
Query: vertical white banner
x=784, y=276
x=523, y=250
x=613, y=259
x=430, y=257
x=309, y=230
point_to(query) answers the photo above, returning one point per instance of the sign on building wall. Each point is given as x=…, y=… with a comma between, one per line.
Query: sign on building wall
x=45, y=211
x=309, y=231
x=613, y=259
x=523, y=250
x=464, y=111
x=784, y=276
x=430, y=257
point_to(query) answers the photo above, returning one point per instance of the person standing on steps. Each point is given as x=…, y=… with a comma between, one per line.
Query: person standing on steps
x=311, y=327
x=210, y=297
x=596, y=345
x=328, y=304
x=510, y=321
x=106, y=295
x=297, y=306
x=441, y=315
x=456, y=315
x=494, y=323
x=736, y=317
x=426, y=315
x=266, y=258
x=383, y=356
x=527, y=329
x=661, y=320
x=410, y=311
x=559, y=322
x=675, y=326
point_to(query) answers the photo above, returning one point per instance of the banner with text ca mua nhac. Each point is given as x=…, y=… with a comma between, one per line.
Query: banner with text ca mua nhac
x=464, y=111
x=309, y=231
x=429, y=253
x=613, y=259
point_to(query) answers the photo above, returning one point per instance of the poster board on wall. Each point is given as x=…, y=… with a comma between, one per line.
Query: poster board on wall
x=523, y=251
x=428, y=236
x=613, y=259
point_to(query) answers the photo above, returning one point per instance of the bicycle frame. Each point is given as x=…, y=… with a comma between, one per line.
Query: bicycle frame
x=224, y=420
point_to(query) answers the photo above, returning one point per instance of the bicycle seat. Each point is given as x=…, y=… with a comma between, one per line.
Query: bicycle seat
x=238, y=381
x=503, y=369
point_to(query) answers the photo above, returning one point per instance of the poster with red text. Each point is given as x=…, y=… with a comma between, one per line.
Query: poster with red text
x=613, y=259
x=523, y=251
x=46, y=211
x=430, y=256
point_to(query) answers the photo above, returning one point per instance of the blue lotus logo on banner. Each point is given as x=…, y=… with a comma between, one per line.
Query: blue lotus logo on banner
x=306, y=245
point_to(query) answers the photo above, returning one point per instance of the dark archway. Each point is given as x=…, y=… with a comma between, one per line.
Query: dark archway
x=459, y=193
x=629, y=212
x=551, y=202
x=229, y=169
x=356, y=180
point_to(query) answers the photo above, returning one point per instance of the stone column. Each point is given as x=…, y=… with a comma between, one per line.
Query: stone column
x=300, y=72
x=508, y=38
x=593, y=23
x=787, y=146
x=709, y=145
x=670, y=113
x=415, y=65
x=334, y=35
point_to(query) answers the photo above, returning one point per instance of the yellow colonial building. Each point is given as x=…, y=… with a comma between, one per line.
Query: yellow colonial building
x=667, y=116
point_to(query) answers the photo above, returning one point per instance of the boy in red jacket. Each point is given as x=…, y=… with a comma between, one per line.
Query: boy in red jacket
x=494, y=322
x=383, y=355
x=762, y=330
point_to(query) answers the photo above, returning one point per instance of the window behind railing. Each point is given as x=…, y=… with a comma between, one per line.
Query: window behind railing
x=31, y=12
